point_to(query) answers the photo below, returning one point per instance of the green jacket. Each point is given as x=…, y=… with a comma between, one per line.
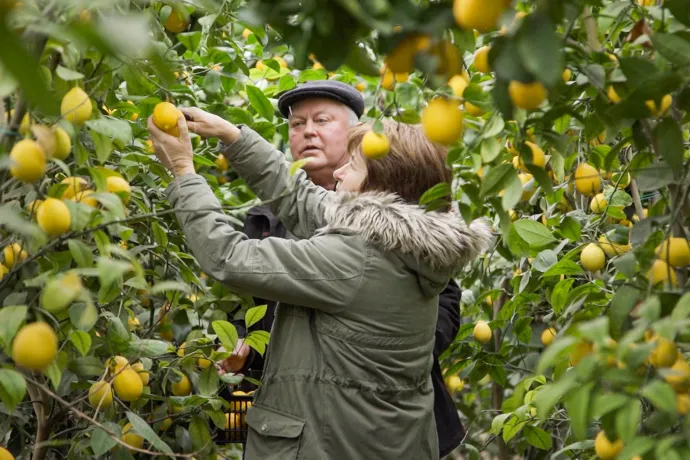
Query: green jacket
x=347, y=368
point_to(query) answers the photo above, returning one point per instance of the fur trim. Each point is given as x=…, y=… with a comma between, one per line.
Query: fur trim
x=441, y=240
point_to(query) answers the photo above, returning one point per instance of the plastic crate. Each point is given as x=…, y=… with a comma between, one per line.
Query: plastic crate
x=240, y=400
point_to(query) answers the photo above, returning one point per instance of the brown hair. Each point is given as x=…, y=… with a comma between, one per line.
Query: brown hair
x=413, y=165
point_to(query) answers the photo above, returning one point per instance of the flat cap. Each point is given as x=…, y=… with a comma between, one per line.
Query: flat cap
x=328, y=89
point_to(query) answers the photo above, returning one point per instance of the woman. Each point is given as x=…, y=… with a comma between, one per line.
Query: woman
x=348, y=364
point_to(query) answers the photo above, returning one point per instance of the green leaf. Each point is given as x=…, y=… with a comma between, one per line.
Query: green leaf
x=81, y=253
x=549, y=395
x=12, y=318
x=557, y=350
x=142, y=428
x=560, y=294
x=627, y=420
x=160, y=236
x=537, y=437
x=254, y=315
x=83, y=316
x=623, y=302
x=577, y=405
x=113, y=128
x=637, y=69
x=523, y=329
x=212, y=83
x=286, y=83
x=655, y=176
x=673, y=47
x=545, y=260
x=167, y=286
x=54, y=373
x=258, y=341
x=12, y=388
x=199, y=431
x=102, y=442
x=81, y=341
x=669, y=141
x=661, y=395
x=680, y=10
x=358, y=59
x=68, y=74
x=490, y=149
x=498, y=422
x=512, y=427
x=535, y=233
x=190, y=40
x=14, y=222
x=564, y=267
x=540, y=48
x=87, y=366
x=260, y=102
x=571, y=228
x=604, y=403
x=208, y=382
x=682, y=309
x=299, y=164
x=148, y=348
x=437, y=192
x=227, y=334
x=497, y=179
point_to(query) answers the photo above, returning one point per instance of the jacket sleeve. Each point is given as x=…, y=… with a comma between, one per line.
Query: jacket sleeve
x=295, y=200
x=323, y=272
x=448, y=321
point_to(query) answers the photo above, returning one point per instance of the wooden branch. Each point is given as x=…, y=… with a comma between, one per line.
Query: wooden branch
x=496, y=389
x=592, y=29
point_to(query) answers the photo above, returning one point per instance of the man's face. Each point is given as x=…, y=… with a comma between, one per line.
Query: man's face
x=318, y=130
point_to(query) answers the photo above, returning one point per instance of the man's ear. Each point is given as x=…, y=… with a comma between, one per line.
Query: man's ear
x=360, y=123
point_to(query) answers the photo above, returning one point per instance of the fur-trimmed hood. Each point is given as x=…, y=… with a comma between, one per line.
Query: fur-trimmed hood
x=436, y=244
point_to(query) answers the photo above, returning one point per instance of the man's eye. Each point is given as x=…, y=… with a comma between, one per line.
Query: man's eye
x=322, y=120
x=297, y=123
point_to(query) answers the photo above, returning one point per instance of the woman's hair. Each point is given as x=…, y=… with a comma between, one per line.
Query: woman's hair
x=413, y=164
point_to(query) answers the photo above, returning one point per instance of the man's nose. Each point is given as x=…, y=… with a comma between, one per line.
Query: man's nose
x=309, y=129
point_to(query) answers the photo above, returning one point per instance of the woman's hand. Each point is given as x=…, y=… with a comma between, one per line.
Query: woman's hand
x=209, y=125
x=174, y=152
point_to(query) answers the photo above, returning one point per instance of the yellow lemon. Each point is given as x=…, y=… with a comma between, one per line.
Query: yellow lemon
x=679, y=375
x=165, y=116
x=32, y=207
x=675, y=251
x=63, y=143
x=481, y=59
x=203, y=363
x=581, y=350
x=116, y=364
x=13, y=254
x=567, y=75
x=612, y=249
x=527, y=96
x=101, y=394
x=660, y=111
x=35, y=346
x=528, y=187
x=592, y=258
x=28, y=161
x=375, y=146
x=442, y=121
x=401, y=59
x=132, y=321
x=388, y=78
x=130, y=438
x=60, y=292
x=605, y=449
x=683, y=403
x=482, y=332
x=177, y=21
x=143, y=374
x=455, y=384
x=76, y=106
x=661, y=272
x=74, y=186
x=361, y=86
x=4, y=453
x=458, y=84
x=53, y=217
x=478, y=14
x=128, y=385
x=598, y=204
x=3, y=271
x=83, y=197
x=538, y=157
x=183, y=387
x=449, y=58
x=613, y=95
x=246, y=33
x=473, y=110
x=513, y=215
x=222, y=162
x=548, y=335
x=665, y=354
x=119, y=186
x=587, y=179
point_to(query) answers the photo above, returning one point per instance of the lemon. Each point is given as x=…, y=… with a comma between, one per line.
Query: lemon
x=478, y=14
x=143, y=374
x=660, y=111
x=388, y=78
x=548, y=335
x=526, y=96
x=675, y=251
x=442, y=121
x=482, y=332
x=605, y=449
x=587, y=179
x=3, y=271
x=83, y=197
x=455, y=383
x=513, y=215
x=183, y=387
x=581, y=350
x=232, y=421
x=473, y=110
x=222, y=162
x=612, y=249
x=4, y=453
x=661, y=272
x=60, y=292
x=119, y=186
x=101, y=394
x=598, y=204
x=35, y=346
x=375, y=146
x=32, y=207
x=613, y=95
x=165, y=116
x=74, y=186
x=481, y=59
x=128, y=385
x=13, y=254
x=116, y=364
x=665, y=354
x=458, y=84
x=166, y=423
x=449, y=58
x=538, y=157
x=592, y=258
x=679, y=375
x=246, y=33
x=132, y=321
x=176, y=22
x=401, y=59
x=53, y=217
x=567, y=75
x=361, y=86
x=28, y=161
x=683, y=403
x=203, y=362
x=63, y=143
x=528, y=188
x=130, y=438
x=76, y=106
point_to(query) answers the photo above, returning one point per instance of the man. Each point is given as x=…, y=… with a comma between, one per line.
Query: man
x=320, y=114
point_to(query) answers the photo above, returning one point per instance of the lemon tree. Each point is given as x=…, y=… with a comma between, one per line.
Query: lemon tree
x=566, y=126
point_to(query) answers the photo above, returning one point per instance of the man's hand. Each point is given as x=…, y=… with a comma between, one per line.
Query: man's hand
x=209, y=125
x=174, y=152
x=235, y=362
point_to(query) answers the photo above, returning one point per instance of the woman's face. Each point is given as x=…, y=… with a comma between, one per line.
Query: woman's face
x=350, y=177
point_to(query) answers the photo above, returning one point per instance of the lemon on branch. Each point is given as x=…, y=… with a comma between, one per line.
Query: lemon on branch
x=74, y=186
x=177, y=21
x=605, y=449
x=116, y=364
x=401, y=59
x=128, y=385
x=63, y=143
x=119, y=186
x=35, y=346
x=53, y=217
x=587, y=179
x=478, y=14
x=481, y=59
x=458, y=83
x=482, y=332
x=28, y=161
x=143, y=374
x=592, y=258
x=548, y=335
x=101, y=394
x=183, y=387
x=527, y=96
x=665, y=354
x=661, y=272
x=675, y=251
x=76, y=106
x=442, y=121
x=13, y=254
x=375, y=146
x=130, y=438
x=538, y=157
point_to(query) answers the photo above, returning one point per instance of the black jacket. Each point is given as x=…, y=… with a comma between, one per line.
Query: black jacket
x=261, y=223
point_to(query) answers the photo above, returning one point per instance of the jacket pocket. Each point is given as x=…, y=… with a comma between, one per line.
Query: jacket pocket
x=272, y=434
